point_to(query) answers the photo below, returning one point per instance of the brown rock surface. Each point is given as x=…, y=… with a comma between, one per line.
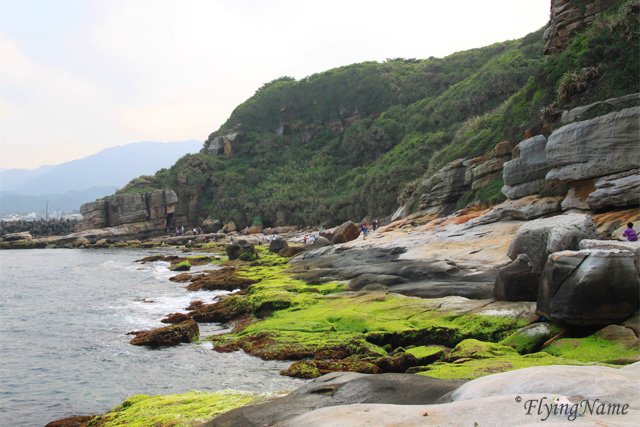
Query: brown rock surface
x=184, y=332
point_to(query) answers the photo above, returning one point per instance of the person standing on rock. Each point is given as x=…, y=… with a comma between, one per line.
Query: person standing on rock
x=364, y=229
x=630, y=234
x=375, y=224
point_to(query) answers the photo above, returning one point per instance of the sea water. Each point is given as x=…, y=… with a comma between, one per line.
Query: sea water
x=64, y=315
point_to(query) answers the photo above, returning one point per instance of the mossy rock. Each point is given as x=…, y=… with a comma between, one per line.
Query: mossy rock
x=474, y=349
x=468, y=368
x=309, y=369
x=593, y=349
x=531, y=338
x=181, y=266
x=427, y=354
x=176, y=410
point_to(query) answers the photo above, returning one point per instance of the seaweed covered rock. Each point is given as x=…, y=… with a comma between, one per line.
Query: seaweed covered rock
x=184, y=332
x=589, y=287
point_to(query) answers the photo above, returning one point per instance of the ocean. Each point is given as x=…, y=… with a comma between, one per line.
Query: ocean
x=64, y=314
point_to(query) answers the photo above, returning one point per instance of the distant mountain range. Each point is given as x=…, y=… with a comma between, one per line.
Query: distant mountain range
x=70, y=184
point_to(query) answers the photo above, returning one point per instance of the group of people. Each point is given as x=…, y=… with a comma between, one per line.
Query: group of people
x=180, y=231
x=364, y=228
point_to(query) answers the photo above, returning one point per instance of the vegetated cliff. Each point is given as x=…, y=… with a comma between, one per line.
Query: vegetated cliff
x=355, y=140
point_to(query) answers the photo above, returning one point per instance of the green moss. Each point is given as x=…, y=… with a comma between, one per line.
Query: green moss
x=592, y=349
x=531, y=337
x=187, y=409
x=475, y=349
x=426, y=353
x=181, y=266
x=475, y=368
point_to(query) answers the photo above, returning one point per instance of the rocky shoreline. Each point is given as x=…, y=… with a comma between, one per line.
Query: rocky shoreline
x=438, y=301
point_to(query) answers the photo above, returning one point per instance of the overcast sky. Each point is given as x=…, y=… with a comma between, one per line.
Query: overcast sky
x=77, y=76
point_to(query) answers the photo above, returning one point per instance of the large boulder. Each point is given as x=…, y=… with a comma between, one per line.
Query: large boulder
x=525, y=175
x=541, y=237
x=183, y=332
x=593, y=148
x=589, y=287
x=633, y=247
x=277, y=245
x=241, y=249
x=516, y=281
x=229, y=227
x=346, y=232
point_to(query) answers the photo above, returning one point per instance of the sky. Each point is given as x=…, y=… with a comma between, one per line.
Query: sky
x=78, y=76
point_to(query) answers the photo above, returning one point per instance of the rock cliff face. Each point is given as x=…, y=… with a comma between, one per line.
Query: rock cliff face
x=155, y=209
x=569, y=16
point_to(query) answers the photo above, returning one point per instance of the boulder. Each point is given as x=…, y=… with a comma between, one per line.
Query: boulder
x=254, y=229
x=516, y=281
x=525, y=175
x=277, y=245
x=346, y=232
x=620, y=335
x=239, y=249
x=339, y=388
x=212, y=225
x=615, y=191
x=531, y=338
x=589, y=287
x=183, y=332
x=291, y=251
x=229, y=227
x=320, y=242
x=541, y=237
x=633, y=247
x=593, y=148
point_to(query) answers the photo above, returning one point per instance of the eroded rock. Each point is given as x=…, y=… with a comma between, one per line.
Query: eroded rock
x=183, y=332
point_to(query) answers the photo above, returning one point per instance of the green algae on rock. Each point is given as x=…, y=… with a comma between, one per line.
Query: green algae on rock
x=176, y=410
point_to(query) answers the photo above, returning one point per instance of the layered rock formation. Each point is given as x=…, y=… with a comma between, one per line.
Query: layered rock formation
x=153, y=211
x=569, y=16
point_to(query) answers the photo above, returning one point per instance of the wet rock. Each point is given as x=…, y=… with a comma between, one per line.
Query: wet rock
x=277, y=245
x=184, y=332
x=340, y=388
x=74, y=421
x=346, y=232
x=221, y=311
x=516, y=281
x=224, y=279
x=541, y=237
x=589, y=287
x=241, y=249
x=175, y=318
x=593, y=148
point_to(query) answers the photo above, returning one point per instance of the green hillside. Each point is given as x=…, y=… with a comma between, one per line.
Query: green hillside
x=345, y=143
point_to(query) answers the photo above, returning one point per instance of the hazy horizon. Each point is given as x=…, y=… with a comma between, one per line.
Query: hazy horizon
x=83, y=75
